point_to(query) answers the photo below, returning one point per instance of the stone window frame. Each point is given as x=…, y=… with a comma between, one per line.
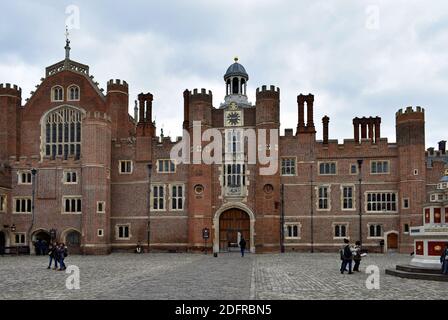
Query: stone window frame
x=328, y=186
x=404, y=228
x=117, y=231
x=125, y=161
x=182, y=197
x=327, y=162
x=353, y=186
x=53, y=93
x=376, y=224
x=3, y=203
x=65, y=175
x=20, y=234
x=100, y=233
x=71, y=197
x=14, y=199
x=61, y=130
x=69, y=93
x=350, y=169
x=171, y=162
x=292, y=224
x=346, y=235
x=155, y=184
x=376, y=162
x=98, y=203
x=403, y=200
x=21, y=173
x=366, y=203
x=294, y=159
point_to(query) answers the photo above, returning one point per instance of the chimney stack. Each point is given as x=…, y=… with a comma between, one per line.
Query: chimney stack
x=442, y=146
x=356, y=129
x=186, y=123
x=309, y=113
x=325, y=121
x=301, y=112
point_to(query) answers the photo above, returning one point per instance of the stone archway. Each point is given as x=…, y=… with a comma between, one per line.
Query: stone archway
x=40, y=240
x=239, y=217
x=72, y=239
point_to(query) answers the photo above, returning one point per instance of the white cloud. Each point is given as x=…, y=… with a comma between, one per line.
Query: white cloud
x=320, y=47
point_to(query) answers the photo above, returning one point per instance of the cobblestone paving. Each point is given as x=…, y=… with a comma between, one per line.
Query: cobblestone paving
x=198, y=276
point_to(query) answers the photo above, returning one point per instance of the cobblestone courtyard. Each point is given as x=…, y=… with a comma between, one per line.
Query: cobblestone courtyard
x=198, y=276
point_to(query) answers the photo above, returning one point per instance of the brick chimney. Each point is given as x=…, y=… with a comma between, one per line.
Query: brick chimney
x=442, y=146
x=301, y=112
x=325, y=121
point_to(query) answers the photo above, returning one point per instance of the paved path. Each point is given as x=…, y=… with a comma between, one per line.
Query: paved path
x=198, y=276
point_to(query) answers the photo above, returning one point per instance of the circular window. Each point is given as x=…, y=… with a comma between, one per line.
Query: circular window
x=268, y=188
x=199, y=189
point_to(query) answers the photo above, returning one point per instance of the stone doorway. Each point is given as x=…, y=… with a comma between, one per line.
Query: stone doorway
x=233, y=224
x=392, y=241
x=40, y=242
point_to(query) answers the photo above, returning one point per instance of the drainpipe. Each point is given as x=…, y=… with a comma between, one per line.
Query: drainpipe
x=312, y=208
x=282, y=220
x=33, y=180
x=149, y=205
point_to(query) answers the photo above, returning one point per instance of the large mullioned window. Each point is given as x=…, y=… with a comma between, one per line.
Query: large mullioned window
x=63, y=133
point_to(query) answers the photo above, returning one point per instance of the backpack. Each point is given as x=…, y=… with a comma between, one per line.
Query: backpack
x=65, y=253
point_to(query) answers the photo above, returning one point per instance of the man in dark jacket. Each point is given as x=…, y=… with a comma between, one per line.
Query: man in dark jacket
x=347, y=257
x=242, y=246
x=52, y=253
x=444, y=259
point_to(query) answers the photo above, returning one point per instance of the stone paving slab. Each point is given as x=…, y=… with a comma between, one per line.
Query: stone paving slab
x=198, y=276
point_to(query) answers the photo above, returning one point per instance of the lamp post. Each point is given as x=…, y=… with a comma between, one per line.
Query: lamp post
x=359, y=199
x=33, y=193
x=149, y=166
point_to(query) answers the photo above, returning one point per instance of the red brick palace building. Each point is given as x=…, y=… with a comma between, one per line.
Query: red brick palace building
x=73, y=160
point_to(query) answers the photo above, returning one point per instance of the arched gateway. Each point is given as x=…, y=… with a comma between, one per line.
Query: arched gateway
x=231, y=222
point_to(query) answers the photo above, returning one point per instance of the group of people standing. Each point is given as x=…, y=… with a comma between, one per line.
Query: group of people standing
x=349, y=254
x=41, y=247
x=57, y=252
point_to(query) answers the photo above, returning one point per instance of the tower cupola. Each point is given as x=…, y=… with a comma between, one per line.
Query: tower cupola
x=236, y=79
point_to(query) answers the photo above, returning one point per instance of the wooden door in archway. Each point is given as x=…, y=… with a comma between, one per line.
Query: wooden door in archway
x=232, y=222
x=392, y=241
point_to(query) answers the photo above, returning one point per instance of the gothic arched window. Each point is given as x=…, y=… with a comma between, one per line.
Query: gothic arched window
x=57, y=93
x=73, y=93
x=62, y=132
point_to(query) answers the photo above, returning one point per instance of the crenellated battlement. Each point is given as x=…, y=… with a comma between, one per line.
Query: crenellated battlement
x=97, y=115
x=117, y=85
x=203, y=94
x=10, y=90
x=35, y=161
x=410, y=110
x=264, y=88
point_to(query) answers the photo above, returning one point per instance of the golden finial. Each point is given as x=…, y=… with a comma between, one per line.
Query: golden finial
x=235, y=59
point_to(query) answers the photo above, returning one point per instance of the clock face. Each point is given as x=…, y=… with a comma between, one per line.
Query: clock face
x=233, y=118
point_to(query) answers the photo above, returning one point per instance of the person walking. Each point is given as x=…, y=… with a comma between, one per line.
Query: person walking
x=62, y=250
x=242, y=246
x=444, y=259
x=357, y=255
x=347, y=257
x=52, y=253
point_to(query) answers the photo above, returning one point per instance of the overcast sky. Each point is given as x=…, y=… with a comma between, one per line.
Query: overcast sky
x=359, y=58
